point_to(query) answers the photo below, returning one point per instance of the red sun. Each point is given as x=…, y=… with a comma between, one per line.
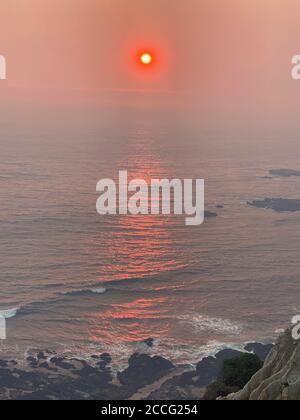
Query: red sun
x=146, y=61
x=146, y=58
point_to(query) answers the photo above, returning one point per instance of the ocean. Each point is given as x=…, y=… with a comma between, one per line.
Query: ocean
x=81, y=284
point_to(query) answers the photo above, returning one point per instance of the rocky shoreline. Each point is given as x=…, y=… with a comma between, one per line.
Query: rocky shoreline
x=48, y=376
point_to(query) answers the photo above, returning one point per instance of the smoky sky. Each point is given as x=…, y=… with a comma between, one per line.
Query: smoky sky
x=230, y=59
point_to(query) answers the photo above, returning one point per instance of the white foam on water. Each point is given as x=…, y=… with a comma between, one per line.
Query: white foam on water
x=207, y=323
x=99, y=290
x=213, y=347
x=186, y=354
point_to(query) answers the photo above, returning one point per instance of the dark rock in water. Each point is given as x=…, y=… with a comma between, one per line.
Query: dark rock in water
x=149, y=342
x=106, y=358
x=9, y=380
x=61, y=363
x=227, y=354
x=76, y=379
x=143, y=370
x=210, y=367
x=261, y=350
x=85, y=370
x=104, y=361
x=210, y=214
x=191, y=385
x=33, y=362
x=41, y=356
x=44, y=365
x=277, y=204
x=38, y=382
x=285, y=173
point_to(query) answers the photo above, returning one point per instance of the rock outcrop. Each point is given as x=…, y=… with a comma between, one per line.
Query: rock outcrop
x=50, y=376
x=143, y=370
x=285, y=173
x=279, y=379
x=279, y=205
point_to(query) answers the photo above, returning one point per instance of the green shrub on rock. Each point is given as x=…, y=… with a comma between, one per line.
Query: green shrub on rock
x=235, y=374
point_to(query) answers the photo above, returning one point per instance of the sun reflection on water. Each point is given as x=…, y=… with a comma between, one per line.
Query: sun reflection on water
x=138, y=247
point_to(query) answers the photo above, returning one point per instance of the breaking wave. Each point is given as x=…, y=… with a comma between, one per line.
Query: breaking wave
x=206, y=323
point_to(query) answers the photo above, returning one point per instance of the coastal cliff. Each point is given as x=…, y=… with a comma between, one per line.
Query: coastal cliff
x=279, y=379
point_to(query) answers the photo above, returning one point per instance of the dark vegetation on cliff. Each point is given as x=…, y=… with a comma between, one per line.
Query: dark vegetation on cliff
x=234, y=376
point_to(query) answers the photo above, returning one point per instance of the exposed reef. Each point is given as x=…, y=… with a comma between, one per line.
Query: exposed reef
x=277, y=204
x=285, y=173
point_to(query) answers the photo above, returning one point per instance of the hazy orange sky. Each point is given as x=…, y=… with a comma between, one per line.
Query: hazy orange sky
x=225, y=58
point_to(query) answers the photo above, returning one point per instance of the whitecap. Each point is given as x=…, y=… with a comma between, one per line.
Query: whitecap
x=206, y=323
x=99, y=290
